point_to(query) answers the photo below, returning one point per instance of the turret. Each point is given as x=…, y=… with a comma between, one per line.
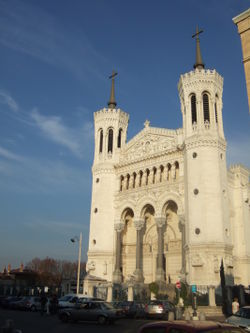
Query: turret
x=208, y=228
x=111, y=125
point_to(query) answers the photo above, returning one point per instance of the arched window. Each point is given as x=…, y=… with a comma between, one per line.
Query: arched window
x=140, y=178
x=110, y=141
x=215, y=109
x=127, y=184
x=161, y=172
x=169, y=171
x=147, y=176
x=119, y=139
x=176, y=170
x=154, y=175
x=121, y=183
x=206, y=108
x=193, y=109
x=134, y=179
x=101, y=141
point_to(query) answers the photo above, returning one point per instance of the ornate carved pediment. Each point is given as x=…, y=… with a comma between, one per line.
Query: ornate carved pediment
x=148, y=144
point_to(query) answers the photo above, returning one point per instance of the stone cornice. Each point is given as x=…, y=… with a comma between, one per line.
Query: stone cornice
x=210, y=247
x=152, y=159
x=205, y=142
x=172, y=187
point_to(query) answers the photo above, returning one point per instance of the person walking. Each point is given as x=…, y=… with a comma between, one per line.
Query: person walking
x=235, y=305
x=43, y=301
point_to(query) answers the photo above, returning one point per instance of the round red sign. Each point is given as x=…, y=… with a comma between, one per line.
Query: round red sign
x=178, y=285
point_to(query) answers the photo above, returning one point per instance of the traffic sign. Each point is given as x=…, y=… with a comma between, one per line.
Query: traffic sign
x=194, y=288
x=178, y=284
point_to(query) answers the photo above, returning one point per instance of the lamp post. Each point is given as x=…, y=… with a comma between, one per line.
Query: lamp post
x=73, y=240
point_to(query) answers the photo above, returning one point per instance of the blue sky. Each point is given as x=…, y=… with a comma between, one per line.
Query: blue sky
x=55, y=59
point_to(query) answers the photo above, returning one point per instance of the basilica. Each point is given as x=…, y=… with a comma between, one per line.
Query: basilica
x=164, y=205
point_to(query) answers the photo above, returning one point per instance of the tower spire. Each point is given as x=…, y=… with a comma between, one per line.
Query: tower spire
x=112, y=102
x=199, y=63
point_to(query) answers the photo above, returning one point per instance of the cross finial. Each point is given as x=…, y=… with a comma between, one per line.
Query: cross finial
x=147, y=123
x=199, y=63
x=112, y=102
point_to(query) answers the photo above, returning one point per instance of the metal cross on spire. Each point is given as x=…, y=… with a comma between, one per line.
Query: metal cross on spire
x=199, y=63
x=112, y=102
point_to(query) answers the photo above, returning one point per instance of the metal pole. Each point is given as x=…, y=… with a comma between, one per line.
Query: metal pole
x=79, y=264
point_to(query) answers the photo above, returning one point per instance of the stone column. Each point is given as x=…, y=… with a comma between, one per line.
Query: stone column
x=211, y=295
x=183, y=240
x=173, y=172
x=110, y=293
x=117, y=274
x=144, y=176
x=130, y=292
x=138, y=269
x=160, y=274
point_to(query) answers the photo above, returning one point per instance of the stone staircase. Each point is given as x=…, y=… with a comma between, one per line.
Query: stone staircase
x=209, y=311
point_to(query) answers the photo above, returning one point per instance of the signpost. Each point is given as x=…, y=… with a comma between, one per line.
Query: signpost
x=194, y=290
x=178, y=285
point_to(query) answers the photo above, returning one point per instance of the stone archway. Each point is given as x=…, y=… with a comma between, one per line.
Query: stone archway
x=128, y=244
x=149, y=243
x=172, y=242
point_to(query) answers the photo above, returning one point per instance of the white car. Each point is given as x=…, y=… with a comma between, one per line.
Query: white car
x=241, y=318
x=69, y=300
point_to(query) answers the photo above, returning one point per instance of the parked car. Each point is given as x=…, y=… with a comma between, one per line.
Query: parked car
x=69, y=301
x=6, y=303
x=99, y=311
x=18, y=304
x=159, y=309
x=241, y=318
x=188, y=327
x=32, y=303
x=132, y=309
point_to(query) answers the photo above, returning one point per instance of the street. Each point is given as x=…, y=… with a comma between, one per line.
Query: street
x=33, y=322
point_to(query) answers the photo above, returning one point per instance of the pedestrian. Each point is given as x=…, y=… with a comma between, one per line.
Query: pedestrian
x=43, y=301
x=235, y=305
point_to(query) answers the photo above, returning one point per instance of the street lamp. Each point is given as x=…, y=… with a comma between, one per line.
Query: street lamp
x=73, y=240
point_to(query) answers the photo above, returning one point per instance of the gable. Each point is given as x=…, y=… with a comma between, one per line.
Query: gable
x=150, y=141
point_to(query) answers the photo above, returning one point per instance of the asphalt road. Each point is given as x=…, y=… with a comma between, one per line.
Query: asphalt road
x=29, y=322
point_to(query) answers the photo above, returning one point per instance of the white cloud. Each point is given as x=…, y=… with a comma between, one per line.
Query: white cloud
x=9, y=155
x=53, y=129
x=42, y=176
x=5, y=98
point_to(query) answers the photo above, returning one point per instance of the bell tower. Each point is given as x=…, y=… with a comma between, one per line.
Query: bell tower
x=208, y=231
x=111, y=125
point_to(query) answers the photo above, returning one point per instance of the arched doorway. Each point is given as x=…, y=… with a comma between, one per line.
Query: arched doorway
x=149, y=243
x=128, y=244
x=172, y=242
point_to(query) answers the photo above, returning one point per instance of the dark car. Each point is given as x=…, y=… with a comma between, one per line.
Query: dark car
x=189, y=327
x=241, y=318
x=130, y=309
x=99, y=311
x=18, y=304
x=159, y=309
x=7, y=301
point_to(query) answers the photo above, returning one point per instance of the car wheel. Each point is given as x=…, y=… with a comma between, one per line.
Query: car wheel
x=33, y=308
x=101, y=320
x=64, y=318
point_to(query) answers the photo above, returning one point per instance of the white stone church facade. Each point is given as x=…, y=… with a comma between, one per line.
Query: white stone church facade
x=164, y=206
